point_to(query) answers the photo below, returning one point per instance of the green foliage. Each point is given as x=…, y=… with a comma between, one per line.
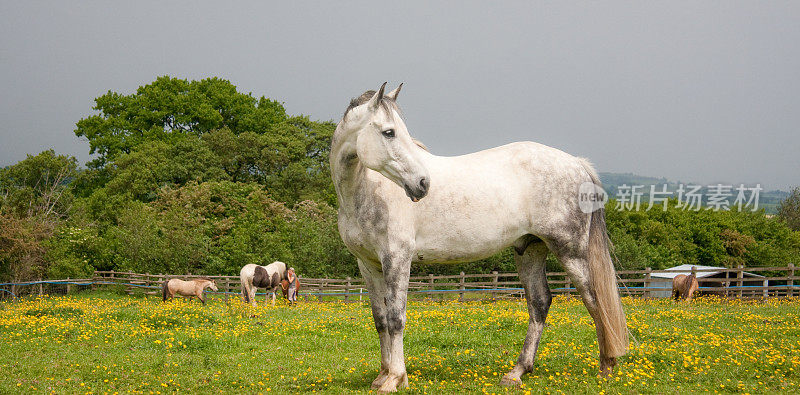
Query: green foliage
x=70, y=251
x=213, y=227
x=315, y=245
x=789, y=210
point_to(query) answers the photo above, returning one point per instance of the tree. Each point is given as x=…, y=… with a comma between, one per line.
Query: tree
x=169, y=109
x=37, y=184
x=789, y=209
x=173, y=131
x=35, y=199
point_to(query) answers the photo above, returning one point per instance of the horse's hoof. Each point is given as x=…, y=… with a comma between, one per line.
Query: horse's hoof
x=607, y=366
x=507, y=381
x=378, y=382
x=392, y=383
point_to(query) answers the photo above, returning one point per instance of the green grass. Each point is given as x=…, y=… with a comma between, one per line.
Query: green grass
x=106, y=343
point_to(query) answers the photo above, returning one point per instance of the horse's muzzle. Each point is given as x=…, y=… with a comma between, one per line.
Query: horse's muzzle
x=418, y=191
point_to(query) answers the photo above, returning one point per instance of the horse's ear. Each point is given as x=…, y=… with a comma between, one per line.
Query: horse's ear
x=393, y=94
x=372, y=104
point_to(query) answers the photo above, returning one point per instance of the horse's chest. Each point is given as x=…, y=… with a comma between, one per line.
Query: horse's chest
x=359, y=235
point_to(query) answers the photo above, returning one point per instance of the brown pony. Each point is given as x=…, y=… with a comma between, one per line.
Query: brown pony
x=191, y=288
x=684, y=287
x=285, y=288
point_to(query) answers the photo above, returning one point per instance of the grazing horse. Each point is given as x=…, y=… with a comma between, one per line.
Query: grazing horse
x=191, y=288
x=524, y=195
x=684, y=287
x=285, y=288
x=253, y=276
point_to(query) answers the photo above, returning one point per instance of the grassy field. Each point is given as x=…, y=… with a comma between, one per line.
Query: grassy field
x=108, y=343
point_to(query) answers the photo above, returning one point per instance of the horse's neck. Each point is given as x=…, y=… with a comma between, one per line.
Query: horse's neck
x=347, y=171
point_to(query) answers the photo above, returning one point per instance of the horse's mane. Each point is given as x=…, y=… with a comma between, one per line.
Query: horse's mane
x=357, y=101
x=387, y=104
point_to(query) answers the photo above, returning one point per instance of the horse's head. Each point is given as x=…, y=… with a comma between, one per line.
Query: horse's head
x=212, y=284
x=382, y=141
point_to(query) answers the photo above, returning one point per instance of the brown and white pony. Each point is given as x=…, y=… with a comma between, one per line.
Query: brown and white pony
x=253, y=276
x=191, y=288
x=684, y=287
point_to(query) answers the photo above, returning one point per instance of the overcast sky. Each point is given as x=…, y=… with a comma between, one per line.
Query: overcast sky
x=692, y=91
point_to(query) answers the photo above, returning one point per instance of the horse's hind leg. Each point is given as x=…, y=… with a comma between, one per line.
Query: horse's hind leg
x=531, y=267
x=579, y=273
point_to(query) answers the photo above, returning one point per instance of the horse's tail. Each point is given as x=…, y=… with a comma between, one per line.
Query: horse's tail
x=604, y=282
x=164, y=290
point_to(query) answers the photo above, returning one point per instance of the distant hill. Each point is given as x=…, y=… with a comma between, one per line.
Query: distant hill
x=768, y=200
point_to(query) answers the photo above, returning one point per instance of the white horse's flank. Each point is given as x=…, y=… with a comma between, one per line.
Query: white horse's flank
x=270, y=279
x=400, y=204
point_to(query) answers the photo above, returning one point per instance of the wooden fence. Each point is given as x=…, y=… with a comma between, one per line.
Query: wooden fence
x=734, y=282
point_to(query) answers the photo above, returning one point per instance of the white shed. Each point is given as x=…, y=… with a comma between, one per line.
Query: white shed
x=663, y=281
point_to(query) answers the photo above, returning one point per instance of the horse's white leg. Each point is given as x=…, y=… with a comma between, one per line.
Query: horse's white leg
x=396, y=270
x=252, y=290
x=532, y=275
x=376, y=285
x=274, y=291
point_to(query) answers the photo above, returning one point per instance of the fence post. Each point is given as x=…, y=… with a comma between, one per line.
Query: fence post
x=41, y=288
x=321, y=285
x=430, y=286
x=67, y=285
x=790, y=282
x=740, y=276
x=461, y=287
x=347, y=289
x=494, y=285
x=647, y=276
x=567, y=284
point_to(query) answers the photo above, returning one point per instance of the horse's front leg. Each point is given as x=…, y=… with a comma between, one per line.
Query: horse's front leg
x=396, y=266
x=376, y=287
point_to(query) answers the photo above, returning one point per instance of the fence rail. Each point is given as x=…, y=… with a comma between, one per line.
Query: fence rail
x=777, y=281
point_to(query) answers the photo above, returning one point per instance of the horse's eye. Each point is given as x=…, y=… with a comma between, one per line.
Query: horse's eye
x=389, y=133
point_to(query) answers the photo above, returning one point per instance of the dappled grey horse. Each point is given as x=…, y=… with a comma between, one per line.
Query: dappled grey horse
x=400, y=204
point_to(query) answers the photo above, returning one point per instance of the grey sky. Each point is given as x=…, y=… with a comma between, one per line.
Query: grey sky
x=692, y=91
